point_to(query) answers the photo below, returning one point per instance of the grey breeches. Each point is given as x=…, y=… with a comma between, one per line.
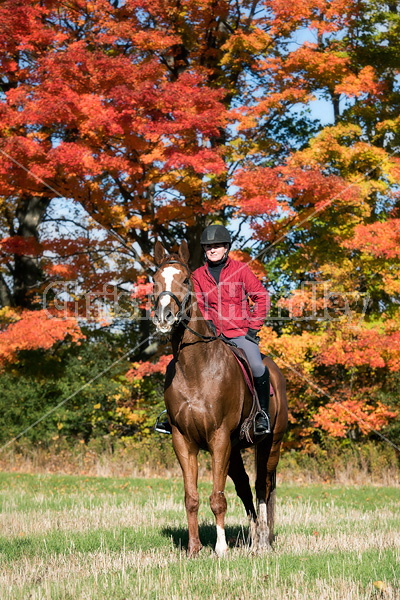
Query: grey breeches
x=253, y=354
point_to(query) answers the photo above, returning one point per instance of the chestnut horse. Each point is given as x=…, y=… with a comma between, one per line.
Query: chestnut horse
x=207, y=400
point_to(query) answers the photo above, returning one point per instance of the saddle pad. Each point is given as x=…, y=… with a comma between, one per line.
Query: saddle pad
x=241, y=357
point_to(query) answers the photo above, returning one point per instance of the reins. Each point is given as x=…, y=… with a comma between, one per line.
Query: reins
x=181, y=315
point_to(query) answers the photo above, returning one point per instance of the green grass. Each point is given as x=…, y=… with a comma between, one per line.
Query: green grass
x=86, y=537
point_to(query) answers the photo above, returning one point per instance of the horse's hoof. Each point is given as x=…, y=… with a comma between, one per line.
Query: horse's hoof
x=263, y=545
x=263, y=538
x=194, y=550
x=222, y=552
x=253, y=536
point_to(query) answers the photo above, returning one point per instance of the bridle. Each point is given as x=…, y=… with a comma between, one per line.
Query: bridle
x=182, y=316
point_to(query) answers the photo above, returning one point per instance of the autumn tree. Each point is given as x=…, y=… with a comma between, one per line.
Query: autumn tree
x=131, y=112
x=336, y=243
x=123, y=122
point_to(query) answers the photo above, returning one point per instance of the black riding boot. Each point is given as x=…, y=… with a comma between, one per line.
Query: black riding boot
x=163, y=426
x=262, y=422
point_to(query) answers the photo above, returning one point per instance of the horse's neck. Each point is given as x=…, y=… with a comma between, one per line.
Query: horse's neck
x=197, y=323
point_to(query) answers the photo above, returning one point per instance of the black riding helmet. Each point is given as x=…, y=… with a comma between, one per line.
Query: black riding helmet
x=217, y=234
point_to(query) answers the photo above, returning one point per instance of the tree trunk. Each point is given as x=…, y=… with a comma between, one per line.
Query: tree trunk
x=5, y=295
x=27, y=272
x=336, y=110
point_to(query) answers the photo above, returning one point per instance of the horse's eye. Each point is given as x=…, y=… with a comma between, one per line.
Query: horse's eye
x=186, y=281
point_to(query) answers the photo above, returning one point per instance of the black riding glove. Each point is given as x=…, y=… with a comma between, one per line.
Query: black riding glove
x=252, y=336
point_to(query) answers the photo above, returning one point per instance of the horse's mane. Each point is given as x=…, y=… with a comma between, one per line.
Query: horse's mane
x=172, y=257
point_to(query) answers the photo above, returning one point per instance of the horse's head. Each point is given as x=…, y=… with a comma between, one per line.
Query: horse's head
x=172, y=289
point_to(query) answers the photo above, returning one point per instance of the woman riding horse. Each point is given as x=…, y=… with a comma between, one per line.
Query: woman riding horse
x=222, y=287
x=207, y=398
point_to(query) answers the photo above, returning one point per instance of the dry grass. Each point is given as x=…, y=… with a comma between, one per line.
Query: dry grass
x=64, y=537
x=156, y=459
x=84, y=460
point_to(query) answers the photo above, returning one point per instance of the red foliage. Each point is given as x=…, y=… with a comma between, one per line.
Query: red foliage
x=375, y=347
x=21, y=246
x=144, y=369
x=36, y=330
x=143, y=289
x=381, y=239
x=337, y=418
x=255, y=265
x=143, y=293
x=146, y=112
x=266, y=192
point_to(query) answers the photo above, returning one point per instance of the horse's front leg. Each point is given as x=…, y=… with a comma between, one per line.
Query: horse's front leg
x=186, y=453
x=220, y=450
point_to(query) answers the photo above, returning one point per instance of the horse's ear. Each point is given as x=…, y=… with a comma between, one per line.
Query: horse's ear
x=184, y=253
x=159, y=253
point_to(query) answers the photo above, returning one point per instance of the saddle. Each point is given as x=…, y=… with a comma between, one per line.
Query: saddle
x=241, y=358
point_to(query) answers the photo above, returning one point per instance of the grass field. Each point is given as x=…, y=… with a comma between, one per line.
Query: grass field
x=79, y=537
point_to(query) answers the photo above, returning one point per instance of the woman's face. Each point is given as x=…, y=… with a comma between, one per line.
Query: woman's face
x=215, y=252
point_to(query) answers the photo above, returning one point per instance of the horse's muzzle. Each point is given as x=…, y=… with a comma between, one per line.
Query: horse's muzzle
x=164, y=320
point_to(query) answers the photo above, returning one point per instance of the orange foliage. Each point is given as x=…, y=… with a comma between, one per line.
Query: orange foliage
x=375, y=347
x=381, y=239
x=365, y=82
x=143, y=289
x=36, y=330
x=144, y=369
x=337, y=418
x=147, y=112
x=254, y=264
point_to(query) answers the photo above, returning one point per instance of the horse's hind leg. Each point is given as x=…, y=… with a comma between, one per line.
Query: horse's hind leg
x=220, y=449
x=271, y=513
x=186, y=453
x=240, y=478
x=267, y=460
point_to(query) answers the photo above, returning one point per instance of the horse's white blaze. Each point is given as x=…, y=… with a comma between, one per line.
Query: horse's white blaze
x=221, y=546
x=168, y=274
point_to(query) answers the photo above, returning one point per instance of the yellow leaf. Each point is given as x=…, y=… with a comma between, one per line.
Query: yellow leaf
x=381, y=586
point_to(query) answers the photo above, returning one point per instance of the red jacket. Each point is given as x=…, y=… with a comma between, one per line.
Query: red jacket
x=226, y=304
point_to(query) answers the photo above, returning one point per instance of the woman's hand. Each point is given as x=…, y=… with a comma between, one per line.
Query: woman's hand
x=252, y=336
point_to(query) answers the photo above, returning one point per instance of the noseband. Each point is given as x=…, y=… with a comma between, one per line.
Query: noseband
x=181, y=315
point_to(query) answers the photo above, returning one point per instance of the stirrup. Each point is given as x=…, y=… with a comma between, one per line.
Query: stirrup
x=267, y=429
x=161, y=426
